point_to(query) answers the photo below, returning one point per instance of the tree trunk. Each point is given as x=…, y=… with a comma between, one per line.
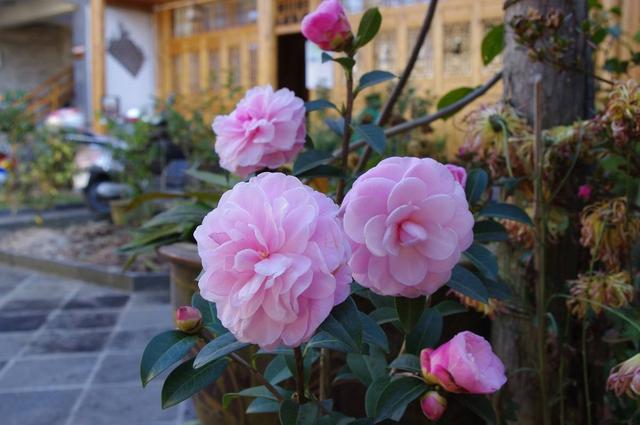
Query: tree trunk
x=567, y=97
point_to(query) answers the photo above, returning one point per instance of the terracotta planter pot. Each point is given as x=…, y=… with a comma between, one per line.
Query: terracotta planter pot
x=185, y=268
x=119, y=211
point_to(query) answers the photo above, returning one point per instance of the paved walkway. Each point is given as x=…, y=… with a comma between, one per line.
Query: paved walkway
x=70, y=353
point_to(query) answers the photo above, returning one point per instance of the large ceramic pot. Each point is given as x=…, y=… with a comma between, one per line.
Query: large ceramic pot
x=185, y=268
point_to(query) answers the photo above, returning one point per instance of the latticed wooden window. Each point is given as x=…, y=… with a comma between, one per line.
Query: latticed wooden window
x=235, y=67
x=457, y=49
x=253, y=64
x=424, y=64
x=176, y=72
x=215, y=69
x=194, y=72
x=291, y=11
x=496, y=63
x=214, y=15
x=385, y=51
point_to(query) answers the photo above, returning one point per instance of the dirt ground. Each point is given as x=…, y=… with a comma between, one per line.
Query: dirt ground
x=94, y=242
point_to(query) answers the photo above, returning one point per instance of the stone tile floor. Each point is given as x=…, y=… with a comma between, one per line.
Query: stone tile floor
x=70, y=352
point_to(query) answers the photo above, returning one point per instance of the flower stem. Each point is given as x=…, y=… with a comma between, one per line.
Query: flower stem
x=346, y=135
x=299, y=375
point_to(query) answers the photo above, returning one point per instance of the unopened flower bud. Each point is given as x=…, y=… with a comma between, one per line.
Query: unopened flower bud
x=433, y=405
x=188, y=319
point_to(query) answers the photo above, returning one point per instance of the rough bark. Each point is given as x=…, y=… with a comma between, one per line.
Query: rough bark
x=567, y=97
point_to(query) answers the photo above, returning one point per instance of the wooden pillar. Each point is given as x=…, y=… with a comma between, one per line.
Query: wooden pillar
x=97, y=60
x=162, y=20
x=267, y=47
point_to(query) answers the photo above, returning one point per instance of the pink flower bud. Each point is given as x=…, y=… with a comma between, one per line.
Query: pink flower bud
x=584, y=192
x=188, y=319
x=459, y=174
x=465, y=364
x=328, y=26
x=433, y=405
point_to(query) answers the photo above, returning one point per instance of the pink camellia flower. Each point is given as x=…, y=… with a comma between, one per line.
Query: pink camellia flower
x=584, y=192
x=328, y=26
x=188, y=319
x=459, y=173
x=407, y=220
x=465, y=364
x=267, y=129
x=274, y=260
x=433, y=405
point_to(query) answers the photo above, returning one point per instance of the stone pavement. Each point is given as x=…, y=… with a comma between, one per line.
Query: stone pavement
x=70, y=353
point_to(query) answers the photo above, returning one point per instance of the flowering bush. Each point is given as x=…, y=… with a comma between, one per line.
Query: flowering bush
x=355, y=280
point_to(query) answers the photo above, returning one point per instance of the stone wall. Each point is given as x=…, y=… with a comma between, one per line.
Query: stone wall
x=32, y=53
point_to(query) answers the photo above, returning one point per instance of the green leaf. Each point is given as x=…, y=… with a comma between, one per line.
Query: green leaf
x=369, y=27
x=184, y=381
x=396, y=397
x=492, y=44
x=292, y=413
x=335, y=125
x=407, y=362
x=484, y=260
x=261, y=391
x=318, y=105
x=426, y=333
x=321, y=170
x=489, y=231
x=372, y=78
x=181, y=213
x=373, y=394
x=226, y=181
x=309, y=159
x=164, y=350
x=341, y=325
x=498, y=289
x=616, y=66
x=452, y=97
x=506, y=211
x=449, y=308
x=366, y=368
x=373, y=334
x=467, y=283
x=409, y=311
x=477, y=182
x=384, y=315
x=325, y=340
x=209, y=314
x=219, y=347
x=479, y=405
x=374, y=136
x=277, y=370
x=263, y=405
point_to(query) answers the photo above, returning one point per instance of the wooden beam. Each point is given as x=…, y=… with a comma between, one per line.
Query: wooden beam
x=267, y=46
x=97, y=60
x=26, y=11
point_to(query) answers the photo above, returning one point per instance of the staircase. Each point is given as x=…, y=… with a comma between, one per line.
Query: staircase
x=52, y=94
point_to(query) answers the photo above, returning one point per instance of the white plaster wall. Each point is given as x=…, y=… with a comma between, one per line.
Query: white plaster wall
x=138, y=91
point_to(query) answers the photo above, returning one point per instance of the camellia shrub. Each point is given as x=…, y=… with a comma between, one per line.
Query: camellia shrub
x=314, y=276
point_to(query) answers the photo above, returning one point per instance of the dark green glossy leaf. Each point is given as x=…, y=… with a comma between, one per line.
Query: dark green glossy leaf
x=426, y=333
x=319, y=104
x=489, y=231
x=484, y=260
x=409, y=311
x=325, y=340
x=373, y=394
x=277, y=370
x=506, y=211
x=184, y=381
x=384, y=315
x=263, y=405
x=480, y=405
x=407, y=362
x=221, y=346
x=335, y=125
x=396, y=397
x=477, y=182
x=492, y=44
x=292, y=413
x=321, y=170
x=498, y=289
x=341, y=325
x=449, y=307
x=372, y=78
x=366, y=368
x=373, y=334
x=452, y=97
x=164, y=350
x=369, y=27
x=309, y=159
x=373, y=135
x=467, y=283
x=209, y=314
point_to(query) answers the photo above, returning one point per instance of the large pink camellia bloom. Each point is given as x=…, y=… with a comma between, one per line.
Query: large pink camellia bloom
x=407, y=220
x=328, y=26
x=267, y=129
x=465, y=364
x=275, y=260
